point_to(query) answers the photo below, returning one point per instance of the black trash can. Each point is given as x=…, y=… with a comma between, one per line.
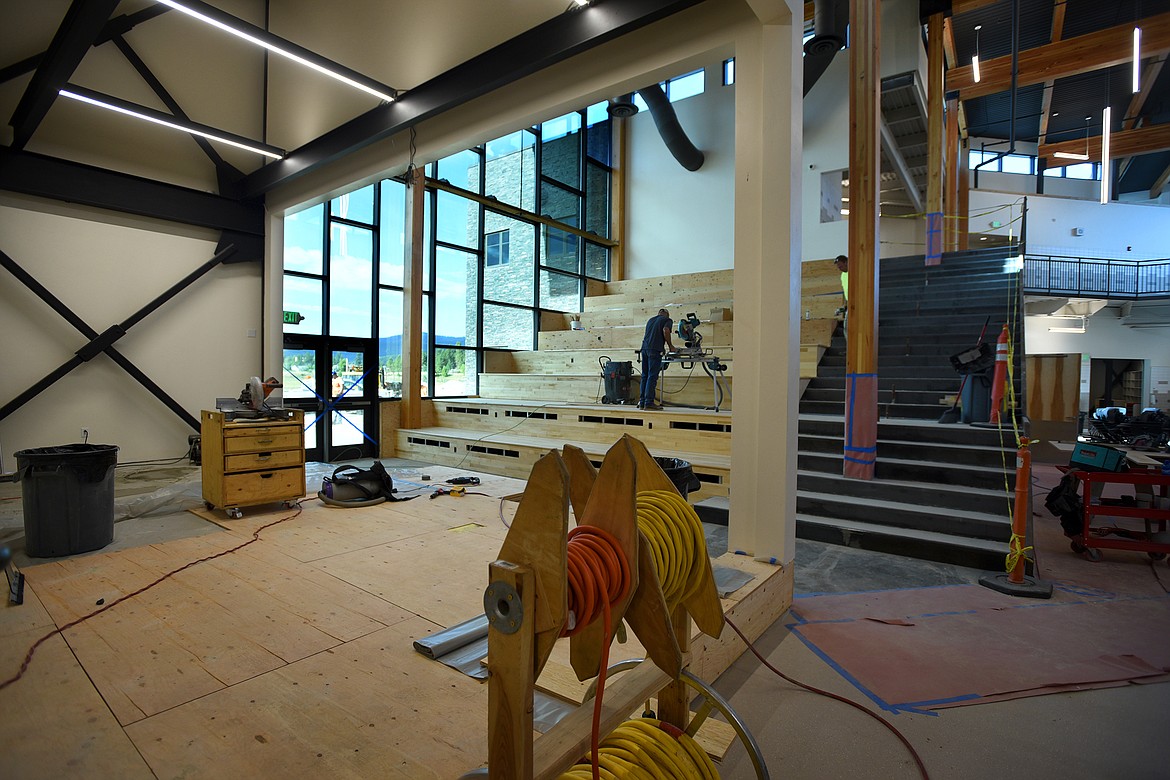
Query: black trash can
x=680, y=474
x=68, y=494
x=976, y=398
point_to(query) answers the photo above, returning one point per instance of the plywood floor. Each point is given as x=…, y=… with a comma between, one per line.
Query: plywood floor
x=289, y=657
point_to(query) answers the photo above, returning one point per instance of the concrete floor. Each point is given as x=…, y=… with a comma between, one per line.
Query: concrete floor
x=1108, y=733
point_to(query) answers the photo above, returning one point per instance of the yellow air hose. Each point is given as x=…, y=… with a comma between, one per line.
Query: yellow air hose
x=677, y=543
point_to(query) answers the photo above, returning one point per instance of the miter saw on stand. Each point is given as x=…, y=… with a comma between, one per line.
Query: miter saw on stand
x=253, y=402
x=692, y=351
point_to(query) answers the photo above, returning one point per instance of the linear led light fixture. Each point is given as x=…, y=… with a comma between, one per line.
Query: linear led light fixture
x=166, y=120
x=1105, y=172
x=1077, y=155
x=975, y=59
x=1137, y=59
x=277, y=45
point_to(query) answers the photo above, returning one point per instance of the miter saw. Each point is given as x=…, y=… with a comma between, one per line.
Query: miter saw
x=688, y=333
x=252, y=403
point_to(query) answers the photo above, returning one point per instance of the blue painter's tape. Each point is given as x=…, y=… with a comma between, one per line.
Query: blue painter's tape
x=859, y=460
x=861, y=449
x=841, y=671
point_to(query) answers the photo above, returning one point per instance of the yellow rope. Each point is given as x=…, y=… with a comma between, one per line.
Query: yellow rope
x=1016, y=550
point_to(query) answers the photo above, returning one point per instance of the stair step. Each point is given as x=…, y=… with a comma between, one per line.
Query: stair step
x=898, y=410
x=865, y=508
x=923, y=495
x=889, y=468
x=926, y=431
x=957, y=455
x=926, y=545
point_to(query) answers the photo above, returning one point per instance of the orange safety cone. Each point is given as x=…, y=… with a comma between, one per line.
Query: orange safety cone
x=999, y=379
x=1014, y=582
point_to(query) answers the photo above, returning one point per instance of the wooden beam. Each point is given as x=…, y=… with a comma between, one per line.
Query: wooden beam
x=1057, y=32
x=864, y=247
x=952, y=60
x=934, y=115
x=1160, y=184
x=1069, y=57
x=963, y=6
x=964, y=201
x=412, y=324
x=1155, y=138
x=951, y=204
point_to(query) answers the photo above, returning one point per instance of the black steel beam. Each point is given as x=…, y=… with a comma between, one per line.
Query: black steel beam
x=82, y=25
x=50, y=177
x=119, y=25
x=558, y=39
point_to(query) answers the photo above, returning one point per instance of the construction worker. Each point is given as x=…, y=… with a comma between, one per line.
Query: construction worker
x=842, y=263
x=657, y=336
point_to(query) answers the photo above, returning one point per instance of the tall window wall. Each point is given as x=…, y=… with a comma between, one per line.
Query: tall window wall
x=512, y=227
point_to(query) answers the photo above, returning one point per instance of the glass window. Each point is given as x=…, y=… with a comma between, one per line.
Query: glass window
x=456, y=372
x=596, y=261
x=357, y=205
x=300, y=373
x=495, y=248
x=599, y=133
x=507, y=327
x=1080, y=171
x=1018, y=163
x=560, y=292
x=597, y=200
x=426, y=348
x=351, y=281
x=390, y=343
x=456, y=297
x=976, y=158
x=729, y=72
x=561, y=250
x=304, y=297
x=461, y=170
x=392, y=234
x=348, y=426
x=346, y=375
x=511, y=169
x=514, y=281
x=559, y=203
x=303, y=238
x=1055, y=173
x=458, y=220
x=686, y=86
x=560, y=149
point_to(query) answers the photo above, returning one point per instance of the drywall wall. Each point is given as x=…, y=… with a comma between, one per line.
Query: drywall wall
x=680, y=221
x=105, y=268
x=1127, y=231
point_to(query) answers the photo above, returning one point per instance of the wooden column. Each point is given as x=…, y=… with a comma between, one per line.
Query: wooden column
x=953, y=163
x=964, y=220
x=412, y=308
x=934, y=141
x=864, y=189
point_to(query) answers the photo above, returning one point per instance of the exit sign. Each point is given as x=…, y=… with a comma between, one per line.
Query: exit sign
x=293, y=318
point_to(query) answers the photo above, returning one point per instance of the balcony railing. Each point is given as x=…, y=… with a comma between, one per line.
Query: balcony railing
x=1083, y=277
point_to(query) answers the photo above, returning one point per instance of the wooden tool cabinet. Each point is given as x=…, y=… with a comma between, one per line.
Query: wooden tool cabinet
x=250, y=462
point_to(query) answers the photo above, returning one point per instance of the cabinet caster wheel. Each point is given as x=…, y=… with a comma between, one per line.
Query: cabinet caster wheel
x=1156, y=556
x=234, y=513
x=209, y=505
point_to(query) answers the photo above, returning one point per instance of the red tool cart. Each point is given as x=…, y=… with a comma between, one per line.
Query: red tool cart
x=1153, y=539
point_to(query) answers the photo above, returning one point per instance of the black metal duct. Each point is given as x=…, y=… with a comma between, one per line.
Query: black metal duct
x=687, y=154
x=830, y=25
x=622, y=106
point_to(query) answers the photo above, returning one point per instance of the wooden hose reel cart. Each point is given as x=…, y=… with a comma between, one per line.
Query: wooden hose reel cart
x=526, y=604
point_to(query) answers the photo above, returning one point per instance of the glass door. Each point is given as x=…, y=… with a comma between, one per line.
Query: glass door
x=335, y=382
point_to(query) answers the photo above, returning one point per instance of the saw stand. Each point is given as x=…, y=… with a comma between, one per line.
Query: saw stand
x=526, y=604
x=712, y=364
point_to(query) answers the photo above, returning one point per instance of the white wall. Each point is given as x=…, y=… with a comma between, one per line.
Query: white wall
x=680, y=221
x=1115, y=230
x=105, y=268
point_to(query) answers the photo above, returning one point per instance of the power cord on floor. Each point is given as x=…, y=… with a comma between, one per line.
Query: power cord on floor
x=527, y=416
x=255, y=538
x=851, y=703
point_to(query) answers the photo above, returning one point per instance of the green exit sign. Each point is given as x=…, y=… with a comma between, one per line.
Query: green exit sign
x=293, y=318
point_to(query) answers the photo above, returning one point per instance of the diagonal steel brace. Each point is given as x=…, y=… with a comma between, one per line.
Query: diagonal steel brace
x=104, y=342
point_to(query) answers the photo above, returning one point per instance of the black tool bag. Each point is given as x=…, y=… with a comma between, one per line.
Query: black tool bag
x=353, y=486
x=1065, y=502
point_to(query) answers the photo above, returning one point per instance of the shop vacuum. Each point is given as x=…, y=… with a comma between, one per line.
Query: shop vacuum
x=617, y=376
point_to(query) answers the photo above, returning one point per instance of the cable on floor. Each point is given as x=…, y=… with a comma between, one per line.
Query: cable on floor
x=255, y=538
x=850, y=702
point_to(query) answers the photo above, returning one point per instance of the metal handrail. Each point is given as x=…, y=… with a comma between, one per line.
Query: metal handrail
x=1089, y=277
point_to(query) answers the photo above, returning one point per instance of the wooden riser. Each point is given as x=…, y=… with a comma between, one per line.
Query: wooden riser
x=819, y=277
x=671, y=430
x=574, y=361
x=715, y=335
x=661, y=284
x=515, y=456
x=589, y=389
x=717, y=310
x=821, y=306
x=813, y=331
x=810, y=357
x=671, y=301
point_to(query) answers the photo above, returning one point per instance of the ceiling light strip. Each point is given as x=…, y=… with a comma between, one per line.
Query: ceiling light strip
x=166, y=120
x=1137, y=59
x=975, y=58
x=1106, y=168
x=277, y=45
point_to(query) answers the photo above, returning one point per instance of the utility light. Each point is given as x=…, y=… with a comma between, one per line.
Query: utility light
x=166, y=120
x=1106, y=174
x=975, y=59
x=1070, y=155
x=216, y=18
x=1137, y=59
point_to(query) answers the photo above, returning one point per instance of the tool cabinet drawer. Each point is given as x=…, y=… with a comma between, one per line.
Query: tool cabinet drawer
x=259, y=487
x=284, y=439
x=257, y=461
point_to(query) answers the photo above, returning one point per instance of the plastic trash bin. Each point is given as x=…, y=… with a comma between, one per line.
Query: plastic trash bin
x=68, y=493
x=680, y=473
x=976, y=398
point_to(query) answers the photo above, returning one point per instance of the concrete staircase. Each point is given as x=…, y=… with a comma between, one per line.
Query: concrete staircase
x=940, y=491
